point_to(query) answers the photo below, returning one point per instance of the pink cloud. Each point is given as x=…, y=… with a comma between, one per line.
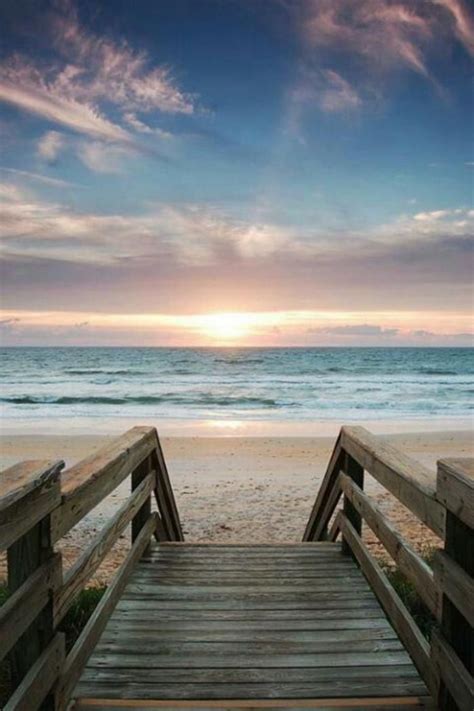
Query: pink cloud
x=91, y=72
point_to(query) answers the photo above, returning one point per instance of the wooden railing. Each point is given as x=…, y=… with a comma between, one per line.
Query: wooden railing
x=446, y=506
x=39, y=504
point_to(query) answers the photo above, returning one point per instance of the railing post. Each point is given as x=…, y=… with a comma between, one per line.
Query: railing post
x=25, y=526
x=356, y=472
x=453, y=648
x=142, y=516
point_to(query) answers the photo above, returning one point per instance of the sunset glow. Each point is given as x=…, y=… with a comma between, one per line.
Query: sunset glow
x=289, y=173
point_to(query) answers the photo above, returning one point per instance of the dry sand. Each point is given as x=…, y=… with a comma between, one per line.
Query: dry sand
x=239, y=489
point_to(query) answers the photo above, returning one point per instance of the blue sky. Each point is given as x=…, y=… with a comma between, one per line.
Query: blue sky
x=312, y=159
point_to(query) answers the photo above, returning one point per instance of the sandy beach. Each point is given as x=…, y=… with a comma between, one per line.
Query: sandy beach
x=239, y=489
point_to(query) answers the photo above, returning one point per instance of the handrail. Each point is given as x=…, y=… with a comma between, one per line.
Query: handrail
x=447, y=508
x=38, y=506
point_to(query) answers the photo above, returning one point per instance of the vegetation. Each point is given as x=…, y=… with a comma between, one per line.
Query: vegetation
x=72, y=624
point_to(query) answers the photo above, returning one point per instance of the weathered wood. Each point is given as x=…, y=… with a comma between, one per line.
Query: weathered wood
x=298, y=703
x=86, y=565
x=143, y=608
x=314, y=528
x=409, y=562
x=316, y=638
x=25, y=604
x=142, y=515
x=89, y=636
x=397, y=613
x=451, y=669
x=28, y=492
x=264, y=639
x=354, y=472
x=408, y=480
x=245, y=661
x=39, y=680
x=456, y=584
x=166, y=492
x=455, y=488
x=305, y=625
x=91, y=480
x=377, y=675
x=24, y=557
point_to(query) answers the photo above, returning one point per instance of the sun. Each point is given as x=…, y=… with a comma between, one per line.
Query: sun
x=226, y=326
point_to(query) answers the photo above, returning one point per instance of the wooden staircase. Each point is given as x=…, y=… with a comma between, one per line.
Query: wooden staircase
x=314, y=624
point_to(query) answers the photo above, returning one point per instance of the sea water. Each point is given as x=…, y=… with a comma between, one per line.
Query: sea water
x=87, y=385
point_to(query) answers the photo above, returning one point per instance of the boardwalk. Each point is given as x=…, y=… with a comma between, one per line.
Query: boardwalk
x=253, y=622
x=313, y=624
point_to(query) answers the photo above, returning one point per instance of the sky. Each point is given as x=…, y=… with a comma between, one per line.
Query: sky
x=236, y=172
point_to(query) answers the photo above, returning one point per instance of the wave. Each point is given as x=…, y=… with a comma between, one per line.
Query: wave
x=239, y=361
x=436, y=371
x=202, y=400
x=99, y=371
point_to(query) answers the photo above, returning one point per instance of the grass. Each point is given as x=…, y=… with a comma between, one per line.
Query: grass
x=72, y=625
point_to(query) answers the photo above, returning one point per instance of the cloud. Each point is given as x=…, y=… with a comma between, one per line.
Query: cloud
x=463, y=21
x=132, y=120
x=56, y=182
x=90, y=74
x=50, y=145
x=363, y=329
x=102, y=157
x=338, y=95
x=27, y=90
x=375, y=38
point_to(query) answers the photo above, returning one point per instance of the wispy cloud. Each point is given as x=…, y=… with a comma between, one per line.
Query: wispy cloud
x=102, y=157
x=201, y=235
x=50, y=145
x=90, y=74
x=375, y=38
x=55, y=182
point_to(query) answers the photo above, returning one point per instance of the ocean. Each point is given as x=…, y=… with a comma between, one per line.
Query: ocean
x=84, y=387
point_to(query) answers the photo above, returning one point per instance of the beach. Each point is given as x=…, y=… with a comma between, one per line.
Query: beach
x=239, y=489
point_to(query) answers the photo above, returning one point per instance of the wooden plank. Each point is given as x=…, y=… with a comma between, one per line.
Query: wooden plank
x=405, y=478
x=87, y=563
x=315, y=637
x=283, y=606
x=25, y=604
x=268, y=590
x=313, y=529
x=24, y=557
x=397, y=613
x=168, y=491
x=455, y=583
x=456, y=630
x=140, y=474
x=24, y=477
x=296, y=704
x=138, y=609
x=455, y=487
x=89, y=636
x=40, y=679
x=409, y=562
x=256, y=628
x=133, y=660
x=257, y=579
x=233, y=596
x=202, y=675
x=453, y=672
x=24, y=502
x=144, y=646
x=354, y=472
x=85, y=484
